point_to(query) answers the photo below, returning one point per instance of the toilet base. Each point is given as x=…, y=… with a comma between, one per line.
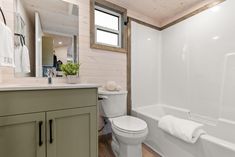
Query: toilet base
x=115, y=146
x=130, y=150
x=124, y=150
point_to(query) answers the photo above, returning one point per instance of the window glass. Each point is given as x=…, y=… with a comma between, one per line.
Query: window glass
x=108, y=38
x=106, y=20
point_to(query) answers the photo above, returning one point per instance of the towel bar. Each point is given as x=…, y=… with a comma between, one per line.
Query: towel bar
x=3, y=16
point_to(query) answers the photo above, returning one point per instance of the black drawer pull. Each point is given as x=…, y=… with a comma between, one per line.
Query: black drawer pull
x=50, y=127
x=40, y=133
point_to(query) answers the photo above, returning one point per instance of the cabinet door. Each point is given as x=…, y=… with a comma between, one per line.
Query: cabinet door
x=22, y=135
x=72, y=133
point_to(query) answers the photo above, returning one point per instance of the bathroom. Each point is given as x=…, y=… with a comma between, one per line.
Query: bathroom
x=117, y=78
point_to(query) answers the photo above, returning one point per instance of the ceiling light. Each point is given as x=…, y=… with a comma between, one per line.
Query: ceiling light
x=60, y=43
x=215, y=9
x=215, y=37
x=149, y=39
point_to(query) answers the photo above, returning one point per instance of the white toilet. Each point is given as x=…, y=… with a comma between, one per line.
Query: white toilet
x=128, y=132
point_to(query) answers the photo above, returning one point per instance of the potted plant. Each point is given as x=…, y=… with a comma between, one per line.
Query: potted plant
x=71, y=71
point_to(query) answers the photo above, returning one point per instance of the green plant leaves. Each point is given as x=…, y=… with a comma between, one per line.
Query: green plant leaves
x=70, y=68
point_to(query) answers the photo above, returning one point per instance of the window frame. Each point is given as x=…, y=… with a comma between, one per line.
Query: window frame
x=115, y=10
x=109, y=30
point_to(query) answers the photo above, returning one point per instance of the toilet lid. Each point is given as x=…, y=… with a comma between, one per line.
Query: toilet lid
x=129, y=124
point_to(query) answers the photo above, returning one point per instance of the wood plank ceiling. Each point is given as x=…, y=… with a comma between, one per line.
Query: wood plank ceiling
x=165, y=12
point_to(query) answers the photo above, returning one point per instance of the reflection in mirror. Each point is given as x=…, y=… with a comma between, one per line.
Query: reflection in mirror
x=46, y=36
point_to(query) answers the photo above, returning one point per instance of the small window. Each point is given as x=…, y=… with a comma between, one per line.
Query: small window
x=107, y=27
x=108, y=31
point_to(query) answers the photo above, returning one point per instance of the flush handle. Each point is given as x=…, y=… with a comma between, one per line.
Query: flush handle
x=102, y=97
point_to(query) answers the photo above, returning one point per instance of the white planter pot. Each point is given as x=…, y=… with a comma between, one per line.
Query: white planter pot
x=72, y=79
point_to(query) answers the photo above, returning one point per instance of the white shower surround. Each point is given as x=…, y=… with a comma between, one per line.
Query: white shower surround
x=196, y=63
x=191, y=66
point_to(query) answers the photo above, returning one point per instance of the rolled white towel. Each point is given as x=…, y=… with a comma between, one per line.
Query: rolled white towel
x=186, y=130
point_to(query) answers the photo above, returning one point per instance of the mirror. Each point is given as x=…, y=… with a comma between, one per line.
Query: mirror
x=46, y=36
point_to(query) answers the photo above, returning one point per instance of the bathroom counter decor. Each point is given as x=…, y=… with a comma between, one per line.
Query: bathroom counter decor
x=71, y=71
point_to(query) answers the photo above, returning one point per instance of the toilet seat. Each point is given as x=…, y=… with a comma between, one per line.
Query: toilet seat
x=129, y=124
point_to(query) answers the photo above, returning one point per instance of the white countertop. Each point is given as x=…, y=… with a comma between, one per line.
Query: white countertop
x=20, y=87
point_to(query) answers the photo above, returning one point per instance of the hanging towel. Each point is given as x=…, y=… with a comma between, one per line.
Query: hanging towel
x=186, y=130
x=18, y=59
x=6, y=46
x=25, y=60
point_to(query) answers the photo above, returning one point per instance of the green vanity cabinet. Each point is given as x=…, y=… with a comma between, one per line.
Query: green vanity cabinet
x=64, y=126
x=73, y=133
x=19, y=135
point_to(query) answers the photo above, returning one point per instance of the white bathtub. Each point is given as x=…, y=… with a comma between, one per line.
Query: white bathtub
x=218, y=142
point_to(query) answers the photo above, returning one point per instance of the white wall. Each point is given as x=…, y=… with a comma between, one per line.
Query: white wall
x=145, y=54
x=196, y=60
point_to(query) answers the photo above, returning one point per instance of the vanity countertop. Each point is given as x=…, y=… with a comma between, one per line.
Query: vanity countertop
x=20, y=87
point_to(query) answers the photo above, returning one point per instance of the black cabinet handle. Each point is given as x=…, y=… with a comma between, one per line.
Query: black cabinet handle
x=40, y=133
x=50, y=127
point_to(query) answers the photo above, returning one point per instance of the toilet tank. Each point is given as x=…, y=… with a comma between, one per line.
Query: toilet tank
x=114, y=104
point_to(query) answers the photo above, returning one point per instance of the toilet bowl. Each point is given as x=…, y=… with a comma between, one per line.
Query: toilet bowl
x=128, y=132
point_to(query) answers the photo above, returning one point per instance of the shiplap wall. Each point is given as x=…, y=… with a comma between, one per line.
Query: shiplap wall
x=97, y=66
